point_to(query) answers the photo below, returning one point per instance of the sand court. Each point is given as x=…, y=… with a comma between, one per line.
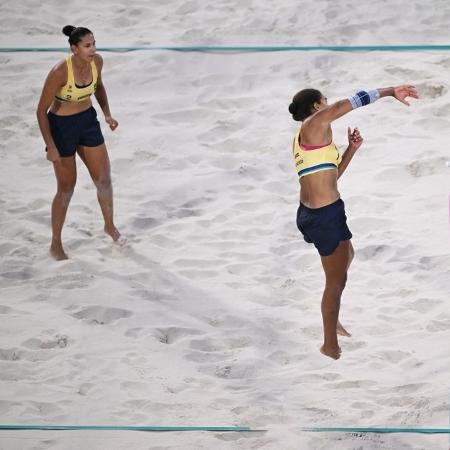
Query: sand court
x=210, y=314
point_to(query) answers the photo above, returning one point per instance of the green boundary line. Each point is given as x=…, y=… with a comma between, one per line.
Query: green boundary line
x=247, y=49
x=218, y=429
x=380, y=430
x=123, y=428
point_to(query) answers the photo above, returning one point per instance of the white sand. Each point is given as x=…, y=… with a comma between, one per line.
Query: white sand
x=211, y=314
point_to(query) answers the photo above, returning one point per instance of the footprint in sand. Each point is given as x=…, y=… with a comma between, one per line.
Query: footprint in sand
x=204, y=357
x=100, y=315
x=144, y=223
x=66, y=281
x=431, y=90
x=174, y=334
x=5, y=309
x=426, y=167
x=411, y=388
x=38, y=343
x=393, y=356
x=8, y=121
x=16, y=272
x=10, y=354
x=375, y=252
x=406, y=73
x=437, y=326
x=434, y=262
x=423, y=305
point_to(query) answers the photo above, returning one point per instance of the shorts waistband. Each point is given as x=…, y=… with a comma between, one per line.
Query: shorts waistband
x=338, y=202
x=71, y=116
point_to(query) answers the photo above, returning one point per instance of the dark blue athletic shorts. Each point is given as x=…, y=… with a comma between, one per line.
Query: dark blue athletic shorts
x=69, y=132
x=324, y=227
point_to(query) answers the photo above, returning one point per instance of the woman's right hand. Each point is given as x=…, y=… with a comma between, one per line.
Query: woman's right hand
x=53, y=154
x=406, y=90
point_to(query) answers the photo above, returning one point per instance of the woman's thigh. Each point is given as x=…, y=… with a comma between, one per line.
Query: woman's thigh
x=96, y=160
x=66, y=173
x=337, y=264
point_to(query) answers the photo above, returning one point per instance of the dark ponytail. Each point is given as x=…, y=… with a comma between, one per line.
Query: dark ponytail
x=302, y=104
x=75, y=33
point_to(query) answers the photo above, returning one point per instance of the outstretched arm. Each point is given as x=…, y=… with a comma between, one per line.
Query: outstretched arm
x=363, y=98
x=319, y=123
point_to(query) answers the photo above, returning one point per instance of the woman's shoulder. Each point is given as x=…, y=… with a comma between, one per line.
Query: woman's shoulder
x=313, y=132
x=61, y=65
x=59, y=70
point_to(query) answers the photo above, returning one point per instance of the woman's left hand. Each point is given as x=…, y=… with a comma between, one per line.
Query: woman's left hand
x=113, y=124
x=355, y=140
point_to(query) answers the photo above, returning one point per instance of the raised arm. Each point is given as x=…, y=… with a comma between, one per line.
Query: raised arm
x=363, y=98
x=318, y=124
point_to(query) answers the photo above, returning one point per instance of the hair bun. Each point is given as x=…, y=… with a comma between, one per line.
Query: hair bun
x=67, y=30
x=292, y=108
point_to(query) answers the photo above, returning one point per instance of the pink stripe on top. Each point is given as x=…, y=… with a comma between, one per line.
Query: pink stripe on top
x=313, y=147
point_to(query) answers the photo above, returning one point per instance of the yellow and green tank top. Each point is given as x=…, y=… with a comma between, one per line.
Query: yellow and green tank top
x=70, y=92
x=312, y=159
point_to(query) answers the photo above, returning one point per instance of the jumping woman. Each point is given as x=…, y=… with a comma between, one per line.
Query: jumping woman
x=321, y=215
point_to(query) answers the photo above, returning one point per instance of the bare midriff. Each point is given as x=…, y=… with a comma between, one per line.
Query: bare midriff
x=62, y=108
x=319, y=189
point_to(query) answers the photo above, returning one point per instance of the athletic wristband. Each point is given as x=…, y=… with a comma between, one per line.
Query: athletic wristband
x=363, y=98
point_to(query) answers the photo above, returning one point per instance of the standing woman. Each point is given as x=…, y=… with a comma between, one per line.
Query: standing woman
x=321, y=214
x=69, y=125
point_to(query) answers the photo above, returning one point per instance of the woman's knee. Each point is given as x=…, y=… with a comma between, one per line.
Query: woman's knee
x=66, y=189
x=103, y=183
x=65, y=192
x=337, y=284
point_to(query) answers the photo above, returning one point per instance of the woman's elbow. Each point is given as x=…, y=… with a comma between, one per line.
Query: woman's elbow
x=41, y=112
x=42, y=109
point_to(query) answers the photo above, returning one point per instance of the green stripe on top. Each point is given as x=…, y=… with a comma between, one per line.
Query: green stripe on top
x=319, y=167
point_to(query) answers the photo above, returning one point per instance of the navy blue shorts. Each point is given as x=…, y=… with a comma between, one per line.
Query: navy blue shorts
x=69, y=132
x=324, y=227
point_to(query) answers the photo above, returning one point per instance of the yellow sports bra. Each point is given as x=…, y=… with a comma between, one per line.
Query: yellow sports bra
x=70, y=92
x=312, y=159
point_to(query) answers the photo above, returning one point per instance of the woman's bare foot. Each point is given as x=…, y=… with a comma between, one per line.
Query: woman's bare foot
x=113, y=232
x=341, y=330
x=57, y=251
x=334, y=353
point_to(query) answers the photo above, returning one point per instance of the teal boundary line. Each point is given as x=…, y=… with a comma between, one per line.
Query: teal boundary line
x=380, y=430
x=218, y=429
x=247, y=49
x=123, y=428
